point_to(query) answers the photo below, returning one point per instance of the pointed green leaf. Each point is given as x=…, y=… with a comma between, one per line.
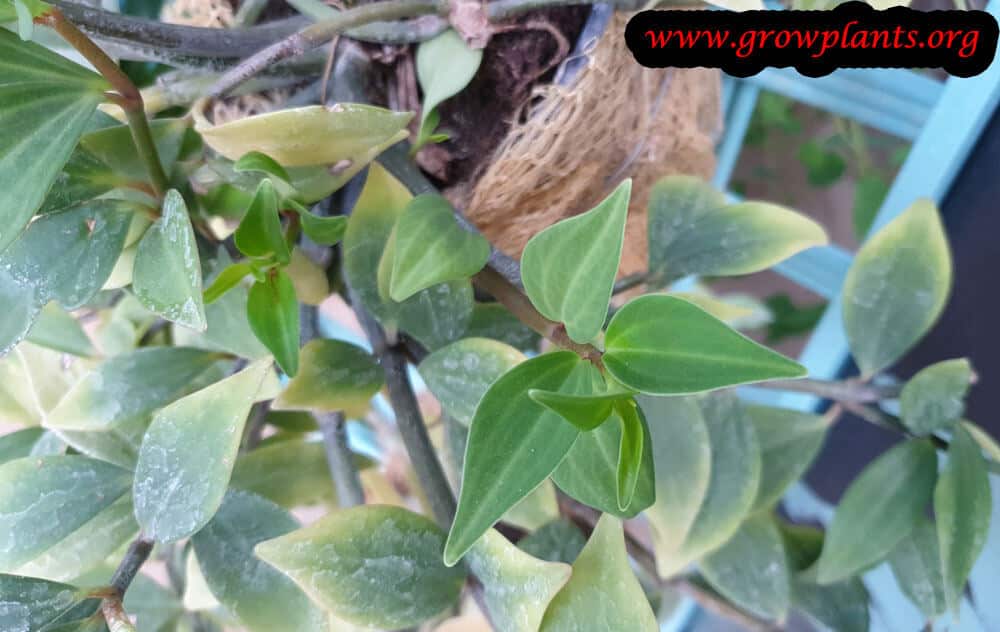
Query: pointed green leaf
x=445, y=65
x=556, y=541
x=751, y=569
x=43, y=500
x=987, y=443
x=459, y=374
x=602, y=593
x=334, y=376
x=517, y=588
x=58, y=330
x=630, y=451
x=257, y=161
x=130, y=385
x=21, y=308
x=188, y=453
x=45, y=103
x=31, y=603
x=227, y=280
x=438, y=315
x=916, y=563
x=879, y=509
x=494, y=321
x=259, y=233
x=167, y=274
x=273, y=312
x=589, y=473
x=535, y=509
x=694, y=230
x=663, y=345
x=934, y=398
x=569, y=268
x=372, y=565
x=18, y=444
x=789, y=441
x=896, y=287
x=260, y=597
x=325, y=231
x=514, y=444
x=962, y=506
x=431, y=248
x=586, y=412
x=90, y=239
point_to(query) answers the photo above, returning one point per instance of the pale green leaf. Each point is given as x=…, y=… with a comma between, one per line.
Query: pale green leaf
x=694, y=230
x=373, y=565
x=31, y=603
x=153, y=606
x=21, y=308
x=262, y=598
x=934, y=398
x=789, y=441
x=557, y=541
x=257, y=161
x=962, y=506
x=333, y=376
x=986, y=442
x=663, y=345
x=514, y=444
x=517, y=588
x=459, y=374
x=18, y=444
x=45, y=103
x=58, y=330
x=197, y=595
x=43, y=500
x=569, y=268
x=130, y=385
x=896, y=287
x=602, y=593
x=916, y=563
x=167, y=274
x=188, y=453
x=881, y=506
x=535, y=509
x=751, y=570
x=445, y=65
x=118, y=445
x=311, y=135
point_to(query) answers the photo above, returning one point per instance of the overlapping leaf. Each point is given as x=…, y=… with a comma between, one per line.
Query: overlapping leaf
x=334, y=376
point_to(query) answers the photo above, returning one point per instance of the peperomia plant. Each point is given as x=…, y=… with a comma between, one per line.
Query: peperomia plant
x=163, y=358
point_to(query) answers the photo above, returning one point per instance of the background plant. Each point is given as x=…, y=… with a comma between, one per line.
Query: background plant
x=157, y=442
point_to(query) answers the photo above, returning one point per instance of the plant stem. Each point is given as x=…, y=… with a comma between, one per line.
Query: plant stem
x=340, y=459
x=128, y=97
x=111, y=606
x=840, y=391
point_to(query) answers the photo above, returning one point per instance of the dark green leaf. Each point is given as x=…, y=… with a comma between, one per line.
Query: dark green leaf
x=556, y=541
x=789, y=319
x=325, y=231
x=438, y=315
x=916, y=563
x=869, y=193
x=273, y=312
x=789, y=441
x=514, y=444
x=334, y=376
x=823, y=167
x=663, y=345
x=256, y=161
x=962, y=506
x=934, y=398
x=879, y=509
x=45, y=103
x=373, y=565
x=259, y=233
x=20, y=309
x=492, y=320
x=569, y=268
x=586, y=412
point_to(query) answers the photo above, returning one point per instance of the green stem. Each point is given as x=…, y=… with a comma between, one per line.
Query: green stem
x=840, y=391
x=127, y=97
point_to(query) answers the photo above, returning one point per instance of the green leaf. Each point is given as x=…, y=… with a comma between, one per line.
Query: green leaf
x=430, y=248
x=751, y=569
x=58, y=330
x=30, y=603
x=259, y=233
x=962, y=505
x=916, y=563
x=167, y=274
x=879, y=509
x=630, y=451
x=556, y=541
x=711, y=476
x=260, y=597
x=934, y=398
x=373, y=565
x=896, y=287
x=569, y=268
x=438, y=315
x=87, y=547
x=694, y=230
x=227, y=280
x=987, y=443
x=154, y=606
x=21, y=308
x=130, y=385
x=188, y=453
x=602, y=593
x=869, y=193
x=589, y=473
x=517, y=588
x=45, y=103
x=90, y=239
x=334, y=376
x=789, y=441
x=823, y=168
x=460, y=374
x=514, y=444
x=311, y=135
x=35, y=8
x=43, y=500
x=325, y=231
x=494, y=321
x=663, y=345
x=445, y=65
x=273, y=312
x=535, y=509
x=18, y=444
x=586, y=412
x=789, y=320
x=262, y=163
